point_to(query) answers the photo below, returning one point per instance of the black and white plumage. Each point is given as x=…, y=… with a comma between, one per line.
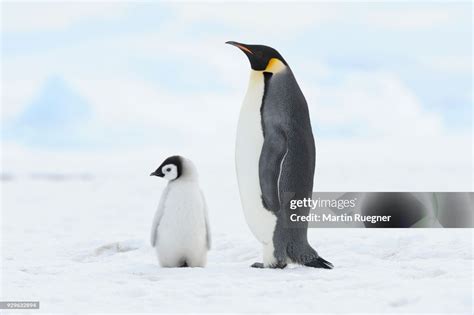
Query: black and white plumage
x=275, y=155
x=180, y=231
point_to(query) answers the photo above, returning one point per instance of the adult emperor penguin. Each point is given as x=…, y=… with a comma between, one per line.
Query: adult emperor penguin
x=275, y=156
x=180, y=230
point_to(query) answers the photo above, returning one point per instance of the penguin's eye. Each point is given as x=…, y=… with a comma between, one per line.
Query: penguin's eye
x=259, y=54
x=168, y=169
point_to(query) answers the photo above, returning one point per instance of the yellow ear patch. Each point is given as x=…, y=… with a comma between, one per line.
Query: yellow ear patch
x=275, y=65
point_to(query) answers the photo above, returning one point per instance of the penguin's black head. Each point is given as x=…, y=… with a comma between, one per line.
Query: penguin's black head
x=171, y=168
x=262, y=58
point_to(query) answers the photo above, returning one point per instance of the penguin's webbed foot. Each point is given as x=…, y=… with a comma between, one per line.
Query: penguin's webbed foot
x=275, y=266
x=278, y=266
x=257, y=265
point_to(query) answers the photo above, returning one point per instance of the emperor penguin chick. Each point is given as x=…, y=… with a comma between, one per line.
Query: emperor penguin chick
x=180, y=231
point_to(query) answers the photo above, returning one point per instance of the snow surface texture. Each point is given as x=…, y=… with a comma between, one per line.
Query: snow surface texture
x=81, y=245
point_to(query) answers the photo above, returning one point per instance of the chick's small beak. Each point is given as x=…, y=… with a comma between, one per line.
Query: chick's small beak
x=158, y=173
x=240, y=46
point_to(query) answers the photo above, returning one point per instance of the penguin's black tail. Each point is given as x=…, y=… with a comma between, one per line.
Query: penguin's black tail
x=319, y=263
x=302, y=253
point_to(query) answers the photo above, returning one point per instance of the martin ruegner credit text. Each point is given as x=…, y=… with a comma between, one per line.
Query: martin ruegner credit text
x=338, y=204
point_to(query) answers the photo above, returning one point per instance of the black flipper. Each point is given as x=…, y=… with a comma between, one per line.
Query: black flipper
x=320, y=263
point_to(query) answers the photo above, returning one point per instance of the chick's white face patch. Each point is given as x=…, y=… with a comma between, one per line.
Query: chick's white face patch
x=170, y=171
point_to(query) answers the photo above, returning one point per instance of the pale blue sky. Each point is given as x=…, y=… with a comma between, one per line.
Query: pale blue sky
x=421, y=52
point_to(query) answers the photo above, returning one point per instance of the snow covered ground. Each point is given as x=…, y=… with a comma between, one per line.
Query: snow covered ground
x=80, y=244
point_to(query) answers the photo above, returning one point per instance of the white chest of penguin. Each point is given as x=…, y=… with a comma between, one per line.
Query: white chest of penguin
x=249, y=145
x=182, y=227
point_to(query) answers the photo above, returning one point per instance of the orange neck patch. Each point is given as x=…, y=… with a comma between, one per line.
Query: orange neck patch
x=275, y=65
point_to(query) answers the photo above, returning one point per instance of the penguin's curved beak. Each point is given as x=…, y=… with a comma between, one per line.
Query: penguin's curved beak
x=241, y=46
